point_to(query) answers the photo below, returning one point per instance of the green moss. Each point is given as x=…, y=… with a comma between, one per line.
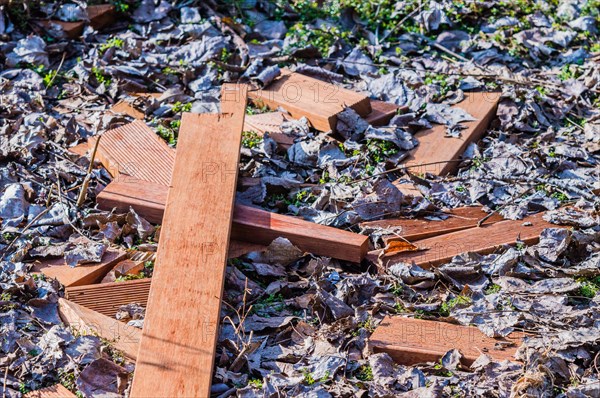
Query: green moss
x=365, y=373
x=113, y=42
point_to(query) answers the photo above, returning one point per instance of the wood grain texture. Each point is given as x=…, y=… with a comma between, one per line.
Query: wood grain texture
x=180, y=329
x=318, y=101
x=86, y=321
x=484, y=240
x=411, y=341
x=55, y=391
x=84, y=274
x=435, y=147
x=106, y=298
x=421, y=228
x=249, y=224
x=134, y=150
x=269, y=122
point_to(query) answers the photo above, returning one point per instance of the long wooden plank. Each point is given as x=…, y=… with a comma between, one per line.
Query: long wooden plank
x=179, y=340
x=84, y=274
x=55, y=391
x=86, y=321
x=106, y=298
x=435, y=147
x=411, y=341
x=421, y=228
x=249, y=224
x=304, y=96
x=484, y=240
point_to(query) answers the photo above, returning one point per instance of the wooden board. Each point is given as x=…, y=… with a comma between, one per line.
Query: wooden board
x=382, y=112
x=411, y=341
x=435, y=147
x=86, y=321
x=249, y=224
x=79, y=149
x=484, y=240
x=269, y=122
x=318, y=101
x=421, y=228
x=134, y=150
x=180, y=329
x=101, y=15
x=55, y=391
x=72, y=30
x=84, y=274
x=106, y=298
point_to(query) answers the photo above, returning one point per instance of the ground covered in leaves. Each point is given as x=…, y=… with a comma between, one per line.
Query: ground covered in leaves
x=295, y=324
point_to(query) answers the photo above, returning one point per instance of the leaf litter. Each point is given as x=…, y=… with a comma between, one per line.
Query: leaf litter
x=296, y=324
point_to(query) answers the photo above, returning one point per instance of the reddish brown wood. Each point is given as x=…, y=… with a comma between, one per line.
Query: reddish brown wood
x=411, y=341
x=72, y=30
x=106, y=298
x=134, y=150
x=101, y=15
x=269, y=122
x=249, y=224
x=192, y=255
x=421, y=228
x=55, y=391
x=485, y=239
x=83, y=320
x=82, y=274
x=435, y=147
x=318, y=101
x=382, y=112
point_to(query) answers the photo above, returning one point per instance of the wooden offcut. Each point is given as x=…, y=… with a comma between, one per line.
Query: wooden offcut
x=180, y=328
x=134, y=150
x=106, y=298
x=435, y=147
x=484, y=240
x=101, y=15
x=84, y=321
x=303, y=96
x=83, y=274
x=382, y=112
x=412, y=229
x=269, y=122
x=411, y=341
x=249, y=224
x=55, y=391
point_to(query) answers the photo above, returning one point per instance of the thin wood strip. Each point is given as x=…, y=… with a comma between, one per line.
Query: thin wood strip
x=86, y=321
x=410, y=341
x=106, y=298
x=484, y=240
x=179, y=339
x=249, y=224
x=421, y=228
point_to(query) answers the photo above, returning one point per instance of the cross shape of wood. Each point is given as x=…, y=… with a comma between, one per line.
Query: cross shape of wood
x=180, y=329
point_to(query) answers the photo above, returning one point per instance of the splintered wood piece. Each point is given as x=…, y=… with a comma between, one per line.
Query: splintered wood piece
x=318, y=101
x=411, y=341
x=134, y=150
x=126, y=108
x=55, y=391
x=101, y=15
x=421, y=228
x=249, y=224
x=180, y=328
x=483, y=240
x=382, y=112
x=84, y=274
x=434, y=146
x=106, y=298
x=86, y=321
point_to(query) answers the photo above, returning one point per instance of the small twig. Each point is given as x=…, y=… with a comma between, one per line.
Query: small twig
x=25, y=228
x=58, y=69
x=84, y=186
